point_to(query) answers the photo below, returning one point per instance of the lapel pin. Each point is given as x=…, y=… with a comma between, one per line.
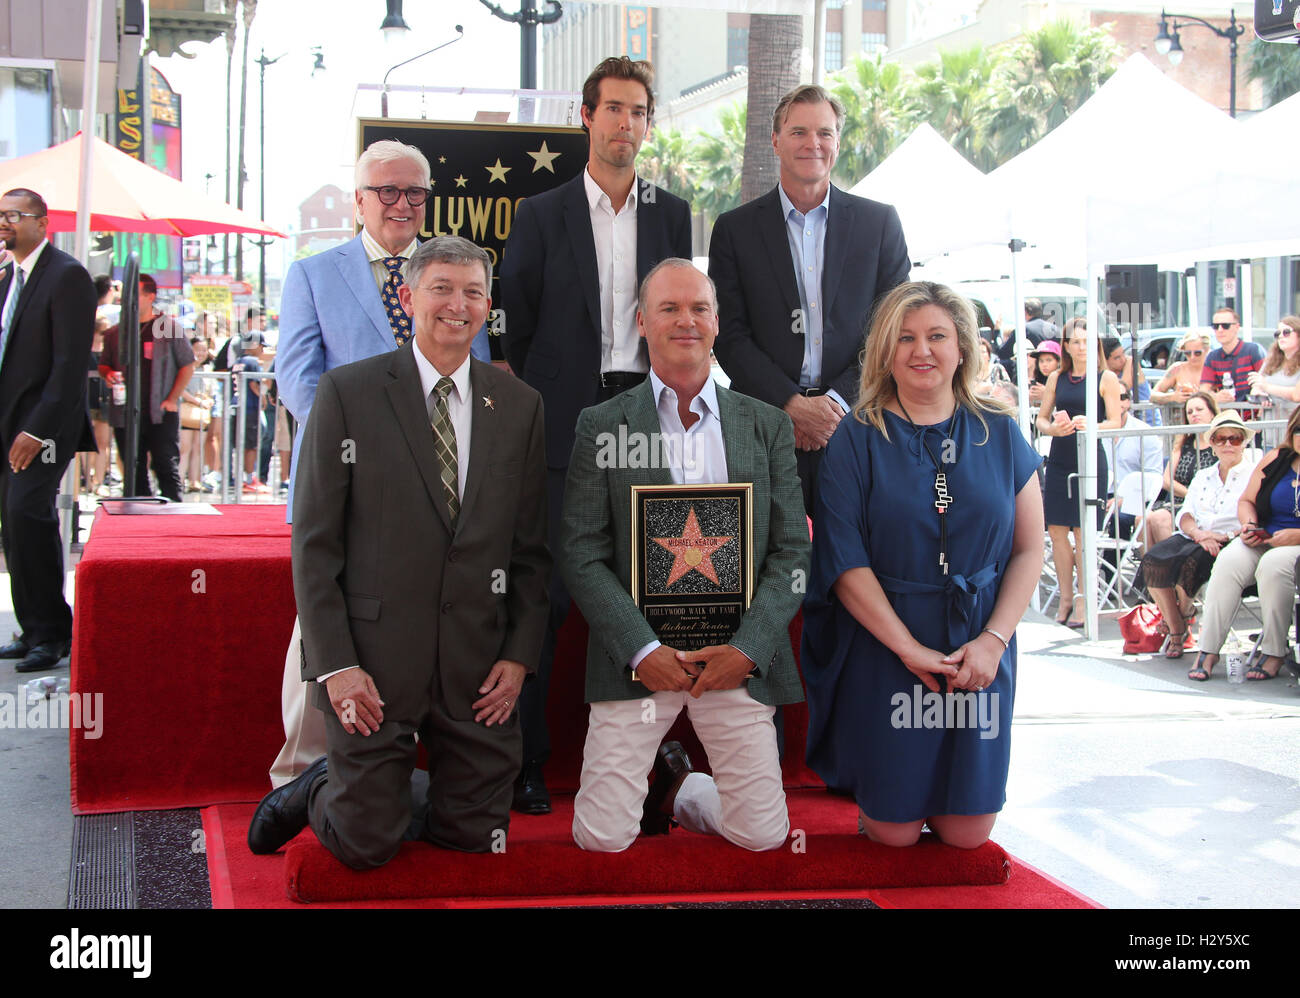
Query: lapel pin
x=489, y=403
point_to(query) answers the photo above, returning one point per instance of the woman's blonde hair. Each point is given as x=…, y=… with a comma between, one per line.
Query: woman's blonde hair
x=878, y=387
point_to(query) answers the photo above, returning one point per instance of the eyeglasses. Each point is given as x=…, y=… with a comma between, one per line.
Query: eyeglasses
x=1196, y=353
x=1213, y=325
x=13, y=215
x=1232, y=441
x=1125, y=397
x=388, y=194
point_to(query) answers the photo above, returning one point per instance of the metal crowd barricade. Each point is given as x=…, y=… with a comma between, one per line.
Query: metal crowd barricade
x=1264, y=429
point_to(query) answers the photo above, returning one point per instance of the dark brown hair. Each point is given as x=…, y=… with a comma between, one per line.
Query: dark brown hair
x=620, y=67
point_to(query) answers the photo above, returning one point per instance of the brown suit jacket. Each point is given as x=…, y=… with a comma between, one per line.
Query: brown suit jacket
x=380, y=578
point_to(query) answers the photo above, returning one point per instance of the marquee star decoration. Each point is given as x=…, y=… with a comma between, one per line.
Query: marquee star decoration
x=692, y=551
x=498, y=172
x=543, y=159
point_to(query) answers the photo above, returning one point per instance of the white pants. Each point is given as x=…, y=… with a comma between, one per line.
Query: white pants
x=304, y=725
x=746, y=804
x=1273, y=571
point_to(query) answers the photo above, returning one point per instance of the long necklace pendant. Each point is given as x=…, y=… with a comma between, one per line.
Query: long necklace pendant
x=942, y=499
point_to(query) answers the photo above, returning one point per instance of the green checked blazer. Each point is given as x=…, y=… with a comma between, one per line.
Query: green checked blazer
x=595, y=543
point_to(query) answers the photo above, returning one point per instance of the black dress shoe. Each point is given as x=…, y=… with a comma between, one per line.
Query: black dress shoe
x=283, y=812
x=672, y=766
x=531, y=796
x=44, y=656
x=17, y=648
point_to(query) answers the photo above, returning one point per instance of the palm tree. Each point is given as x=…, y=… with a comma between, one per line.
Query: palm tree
x=665, y=160
x=876, y=115
x=716, y=155
x=953, y=95
x=1277, y=66
x=1042, y=80
x=775, y=50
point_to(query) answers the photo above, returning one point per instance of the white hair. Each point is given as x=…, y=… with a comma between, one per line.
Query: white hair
x=388, y=151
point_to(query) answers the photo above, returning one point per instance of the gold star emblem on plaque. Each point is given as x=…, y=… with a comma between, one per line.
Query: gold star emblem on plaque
x=442, y=159
x=461, y=181
x=498, y=172
x=692, y=551
x=543, y=159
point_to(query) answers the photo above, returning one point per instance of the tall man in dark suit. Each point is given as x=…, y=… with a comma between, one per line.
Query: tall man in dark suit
x=709, y=435
x=420, y=568
x=47, y=321
x=569, y=278
x=798, y=271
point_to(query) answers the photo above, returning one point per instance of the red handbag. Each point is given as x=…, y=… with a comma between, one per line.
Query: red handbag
x=1144, y=630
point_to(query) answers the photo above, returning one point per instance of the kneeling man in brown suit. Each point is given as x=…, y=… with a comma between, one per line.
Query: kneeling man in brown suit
x=420, y=570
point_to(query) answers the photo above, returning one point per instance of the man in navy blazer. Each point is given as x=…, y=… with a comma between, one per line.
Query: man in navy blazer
x=337, y=307
x=569, y=278
x=47, y=320
x=798, y=272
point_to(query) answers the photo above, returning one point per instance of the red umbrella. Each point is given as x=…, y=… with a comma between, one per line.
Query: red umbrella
x=125, y=196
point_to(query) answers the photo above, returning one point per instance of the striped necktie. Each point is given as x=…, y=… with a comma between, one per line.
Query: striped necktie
x=444, y=436
x=11, y=305
x=397, y=317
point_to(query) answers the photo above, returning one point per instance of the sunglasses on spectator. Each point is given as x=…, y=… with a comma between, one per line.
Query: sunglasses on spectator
x=388, y=194
x=1233, y=440
x=1196, y=353
x=1284, y=331
x=1125, y=397
x=1222, y=325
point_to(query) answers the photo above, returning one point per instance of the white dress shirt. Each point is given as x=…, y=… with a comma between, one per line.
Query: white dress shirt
x=1212, y=502
x=615, y=236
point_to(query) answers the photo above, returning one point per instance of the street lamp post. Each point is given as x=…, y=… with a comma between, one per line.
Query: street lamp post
x=1171, y=45
x=528, y=18
x=262, y=62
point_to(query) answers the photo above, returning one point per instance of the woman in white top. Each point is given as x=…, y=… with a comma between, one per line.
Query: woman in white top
x=1177, y=568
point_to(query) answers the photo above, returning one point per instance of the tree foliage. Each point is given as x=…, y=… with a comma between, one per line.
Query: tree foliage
x=1277, y=67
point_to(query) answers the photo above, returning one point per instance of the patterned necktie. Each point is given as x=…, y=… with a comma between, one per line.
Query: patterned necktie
x=444, y=438
x=397, y=318
x=19, y=276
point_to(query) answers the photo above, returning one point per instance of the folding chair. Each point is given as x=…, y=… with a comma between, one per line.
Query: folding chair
x=1137, y=490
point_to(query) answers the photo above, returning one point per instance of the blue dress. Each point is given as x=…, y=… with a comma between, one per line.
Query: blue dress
x=873, y=729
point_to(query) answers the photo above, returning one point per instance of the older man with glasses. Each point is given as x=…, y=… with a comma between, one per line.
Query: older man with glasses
x=1227, y=369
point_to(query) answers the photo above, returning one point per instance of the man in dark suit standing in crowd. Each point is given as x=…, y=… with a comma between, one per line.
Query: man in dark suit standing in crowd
x=569, y=278
x=47, y=322
x=419, y=570
x=798, y=271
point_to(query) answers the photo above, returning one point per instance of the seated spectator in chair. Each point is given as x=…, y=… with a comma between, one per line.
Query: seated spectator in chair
x=1130, y=454
x=1177, y=567
x=1191, y=452
x=1264, y=554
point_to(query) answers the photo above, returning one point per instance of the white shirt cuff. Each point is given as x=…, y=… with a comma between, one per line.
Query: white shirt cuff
x=33, y=436
x=321, y=679
x=640, y=656
x=832, y=393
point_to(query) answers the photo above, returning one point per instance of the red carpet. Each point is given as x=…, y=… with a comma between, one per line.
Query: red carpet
x=542, y=865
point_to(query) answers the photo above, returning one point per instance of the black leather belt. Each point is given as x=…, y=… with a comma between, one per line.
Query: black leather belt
x=621, y=380
x=812, y=392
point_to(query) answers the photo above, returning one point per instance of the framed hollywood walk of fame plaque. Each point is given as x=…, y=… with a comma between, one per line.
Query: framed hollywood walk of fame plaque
x=692, y=560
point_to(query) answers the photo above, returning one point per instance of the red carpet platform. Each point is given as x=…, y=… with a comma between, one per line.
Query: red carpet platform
x=542, y=866
x=182, y=624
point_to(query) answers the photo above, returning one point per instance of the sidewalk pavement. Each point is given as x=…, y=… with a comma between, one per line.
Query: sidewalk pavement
x=1128, y=782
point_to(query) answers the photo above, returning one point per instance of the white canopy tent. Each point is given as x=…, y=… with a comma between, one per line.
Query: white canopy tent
x=942, y=199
